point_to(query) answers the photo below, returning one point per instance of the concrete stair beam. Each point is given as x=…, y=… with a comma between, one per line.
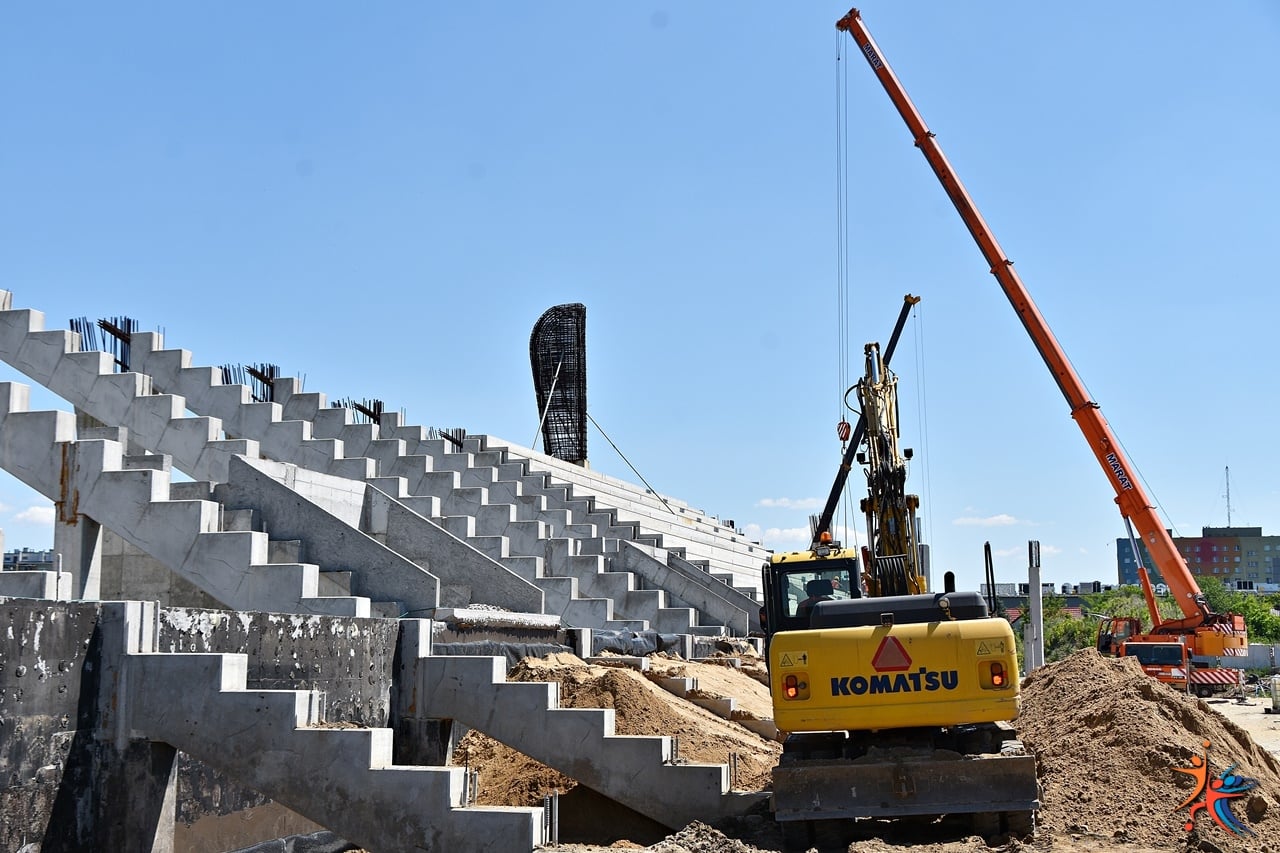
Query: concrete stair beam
x=29, y=442
x=383, y=451
x=295, y=588
x=493, y=547
x=298, y=405
x=465, y=500
x=38, y=355
x=87, y=380
x=528, y=568
x=676, y=620
x=715, y=602
x=241, y=416
x=148, y=355
x=15, y=325
x=633, y=770
x=80, y=369
x=343, y=779
x=330, y=422
x=479, y=462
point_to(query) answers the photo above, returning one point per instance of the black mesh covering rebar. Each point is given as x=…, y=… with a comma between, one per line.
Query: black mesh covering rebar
x=259, y=377
x=558, y=354
x=116, y=335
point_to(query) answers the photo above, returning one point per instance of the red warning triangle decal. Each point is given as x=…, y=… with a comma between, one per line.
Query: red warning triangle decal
x=891, y=656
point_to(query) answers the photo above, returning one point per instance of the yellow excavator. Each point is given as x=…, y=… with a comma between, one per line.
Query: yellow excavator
x=895, y=702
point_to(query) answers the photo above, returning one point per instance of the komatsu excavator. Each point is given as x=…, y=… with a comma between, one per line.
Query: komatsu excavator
x=895, y=701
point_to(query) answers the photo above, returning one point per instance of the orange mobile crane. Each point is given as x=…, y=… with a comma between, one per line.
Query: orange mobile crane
x=1205, y=634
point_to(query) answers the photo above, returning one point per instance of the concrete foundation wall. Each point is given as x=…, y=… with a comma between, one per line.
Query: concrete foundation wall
x=69, y=781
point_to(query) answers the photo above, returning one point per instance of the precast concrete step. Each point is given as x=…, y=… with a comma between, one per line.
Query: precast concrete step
x=276, y=742
x=295, y=588
x=639, y=772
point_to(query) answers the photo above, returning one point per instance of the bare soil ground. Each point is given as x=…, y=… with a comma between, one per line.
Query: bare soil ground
x=1109, y=743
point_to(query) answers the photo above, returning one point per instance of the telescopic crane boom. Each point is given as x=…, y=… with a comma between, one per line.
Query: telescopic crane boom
x=1136, y=508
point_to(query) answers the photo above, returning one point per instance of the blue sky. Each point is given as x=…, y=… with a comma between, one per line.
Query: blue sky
x=384, y=199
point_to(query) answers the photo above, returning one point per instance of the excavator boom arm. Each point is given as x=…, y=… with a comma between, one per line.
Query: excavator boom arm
x=1132, y=499
x=859, y=430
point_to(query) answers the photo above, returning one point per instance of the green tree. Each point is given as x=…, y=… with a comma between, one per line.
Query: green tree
x=1259, y=611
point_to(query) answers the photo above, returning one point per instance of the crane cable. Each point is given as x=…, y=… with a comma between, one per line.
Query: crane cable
x=922, y=417
x=842, y=256
x=842, y=236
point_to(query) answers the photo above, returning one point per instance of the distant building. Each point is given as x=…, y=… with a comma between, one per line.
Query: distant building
x=26, y=560
x=1241, y=557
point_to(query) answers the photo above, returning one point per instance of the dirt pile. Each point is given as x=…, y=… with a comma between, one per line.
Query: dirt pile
x=1109, y=741
x=640, y=707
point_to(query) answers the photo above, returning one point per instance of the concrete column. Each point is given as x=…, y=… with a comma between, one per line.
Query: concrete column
x=138, y=792
x=1033, y=636
x=419, y=739
x=77, y=542
x=138, y=798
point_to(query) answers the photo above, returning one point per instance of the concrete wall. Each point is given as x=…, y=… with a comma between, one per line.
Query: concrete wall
x=68, y=781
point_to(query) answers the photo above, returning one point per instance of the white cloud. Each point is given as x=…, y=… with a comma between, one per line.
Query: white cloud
x=789, y=503
x=1021, y=551
x=35, y=515
x=794, y=538
x=1001, y=520
x=783, y=538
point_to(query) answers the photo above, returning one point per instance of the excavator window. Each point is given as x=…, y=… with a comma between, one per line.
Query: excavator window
x=820, y=586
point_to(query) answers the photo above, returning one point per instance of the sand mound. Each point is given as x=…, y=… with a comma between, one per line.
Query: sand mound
x=507, y=777
x=1108, y=740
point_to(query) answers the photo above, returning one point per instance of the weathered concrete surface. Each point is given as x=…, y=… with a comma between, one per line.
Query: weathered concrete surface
x=344, y=775
x=63, y=785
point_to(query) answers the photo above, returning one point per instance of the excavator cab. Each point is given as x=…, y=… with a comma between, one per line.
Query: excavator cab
x=796, y=583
